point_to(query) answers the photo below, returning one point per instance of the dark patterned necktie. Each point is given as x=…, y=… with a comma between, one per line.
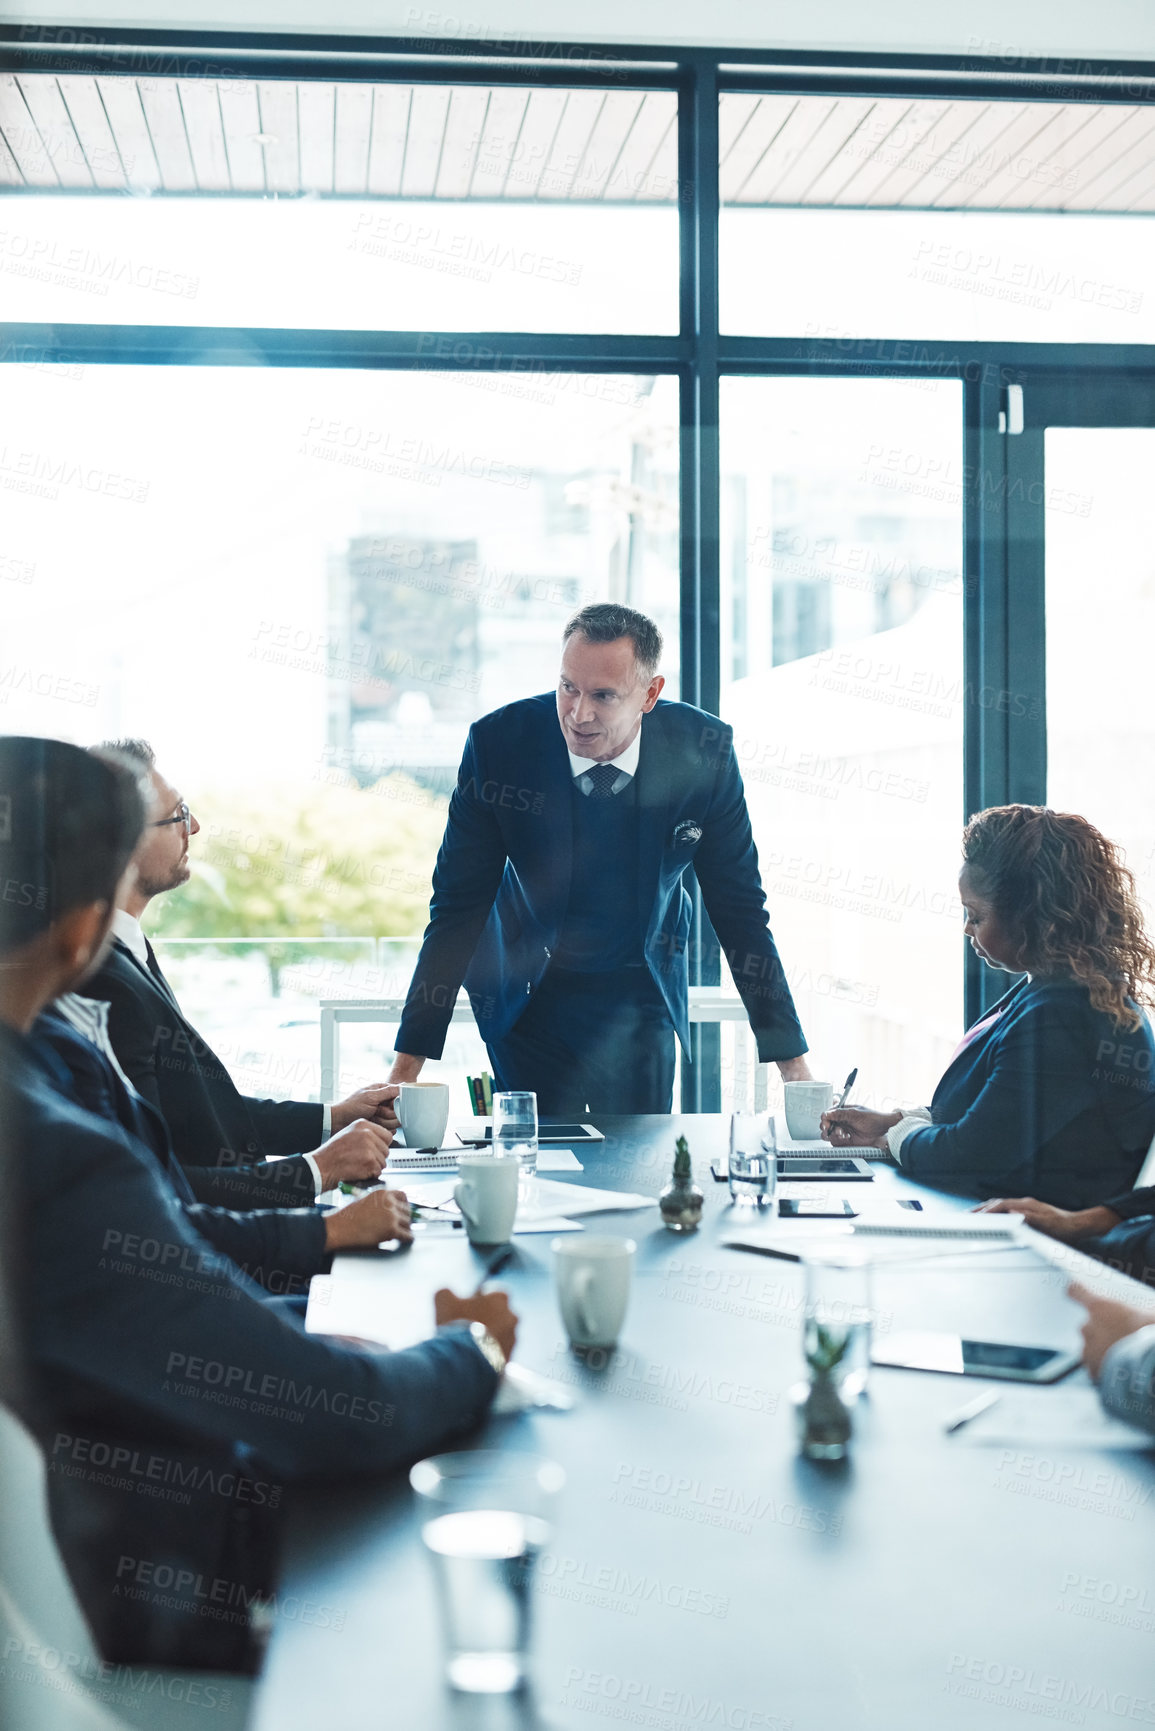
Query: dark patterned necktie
x=602, y=777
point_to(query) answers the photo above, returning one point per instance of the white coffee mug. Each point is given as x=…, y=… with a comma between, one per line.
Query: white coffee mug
x=592, y=1277
x=805, y=1104
x=486, y=1194
x=423, y=1108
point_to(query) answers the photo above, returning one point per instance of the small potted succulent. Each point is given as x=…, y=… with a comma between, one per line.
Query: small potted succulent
x=681, y=1200
x=824, y=1422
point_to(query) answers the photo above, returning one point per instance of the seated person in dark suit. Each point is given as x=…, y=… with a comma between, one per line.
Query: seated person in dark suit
x=172, y=1402
x=280, y=1248
x=1121, y=1231
x=221, y=1137
x=1052, y=1091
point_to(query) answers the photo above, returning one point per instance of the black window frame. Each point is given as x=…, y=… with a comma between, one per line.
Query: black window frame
x=1004, y=741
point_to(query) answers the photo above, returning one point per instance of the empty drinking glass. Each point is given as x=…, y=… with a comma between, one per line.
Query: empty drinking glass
x=485, y=1520
x=515, y=1128
x=753, y=1158
x=838, y=1319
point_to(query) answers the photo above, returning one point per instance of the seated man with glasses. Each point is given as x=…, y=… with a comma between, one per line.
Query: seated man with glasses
x=222, y=1138
x=191, y=1380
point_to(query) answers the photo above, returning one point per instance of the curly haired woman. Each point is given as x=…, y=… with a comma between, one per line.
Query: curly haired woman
x=1051, y=1093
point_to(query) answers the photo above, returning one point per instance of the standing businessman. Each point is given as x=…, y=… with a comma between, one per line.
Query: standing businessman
x=558, y=896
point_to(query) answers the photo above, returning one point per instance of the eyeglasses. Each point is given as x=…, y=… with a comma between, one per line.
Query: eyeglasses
x=183, y=814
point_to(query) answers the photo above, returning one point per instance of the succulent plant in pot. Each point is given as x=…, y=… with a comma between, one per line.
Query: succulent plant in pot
x=681, y=1200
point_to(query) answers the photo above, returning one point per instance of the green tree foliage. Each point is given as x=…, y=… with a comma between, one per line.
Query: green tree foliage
x=322, y=860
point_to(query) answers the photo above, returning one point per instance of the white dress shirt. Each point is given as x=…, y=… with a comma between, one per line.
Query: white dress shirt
x=626, y=763
x=129, y=930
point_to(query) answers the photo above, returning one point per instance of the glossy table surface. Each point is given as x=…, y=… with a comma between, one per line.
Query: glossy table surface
x=701, y=1573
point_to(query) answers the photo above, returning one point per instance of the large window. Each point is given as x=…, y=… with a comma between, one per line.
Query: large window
x=327, y=398
x=843, y=677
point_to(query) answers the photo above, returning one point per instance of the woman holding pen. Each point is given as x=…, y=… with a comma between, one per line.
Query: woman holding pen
x=1050, y=1093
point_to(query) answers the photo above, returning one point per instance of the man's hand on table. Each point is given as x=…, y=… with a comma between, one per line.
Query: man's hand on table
x=357, y=1152
x=375, y=1104
x=491, y=1309
x=381, y=1216
x=855, y=1127
x=1107, y=1322
x=1068, y=1225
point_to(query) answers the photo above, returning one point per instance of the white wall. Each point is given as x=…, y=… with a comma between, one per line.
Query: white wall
x=1007, y=29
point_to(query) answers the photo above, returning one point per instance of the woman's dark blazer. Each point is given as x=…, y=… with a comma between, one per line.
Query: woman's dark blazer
x=1052, y=1100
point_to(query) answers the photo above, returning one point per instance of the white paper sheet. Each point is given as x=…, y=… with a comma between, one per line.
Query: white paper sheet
x=546, y=1198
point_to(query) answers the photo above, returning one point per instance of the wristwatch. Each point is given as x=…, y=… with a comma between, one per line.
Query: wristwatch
x=489, y=1345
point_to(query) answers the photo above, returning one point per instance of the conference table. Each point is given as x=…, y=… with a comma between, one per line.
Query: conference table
x=701, y=1573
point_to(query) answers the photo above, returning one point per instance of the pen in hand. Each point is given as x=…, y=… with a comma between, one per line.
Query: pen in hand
x=504, y=1255
x=846, y=1087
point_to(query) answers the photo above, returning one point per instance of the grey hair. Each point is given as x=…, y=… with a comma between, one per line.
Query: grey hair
x=606, y=621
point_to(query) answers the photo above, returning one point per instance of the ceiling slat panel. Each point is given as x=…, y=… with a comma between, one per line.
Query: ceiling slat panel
x=734, y=110
x=93, y=132
x=633, y=175
x=46, y=106
x=23, y=136
x=463, y=129
x=1026, y=172
x=206, y=133
x=162, y=110
x=1125, y=193
x=242, y=122
x=832, y=137
x=122, y=104
x=785, y=149
x=427, y=117
x=916, y=144
x=752, y=144
x=972, y=158
x=499, y=141
x=387, y=138
x=538, y=131
x=1081, y=131
x=316, y=118
x=1013, y=155
x=571, y=142
x=277, y=109
x=950, y=147
x=597, y=175
x=353, y=129
x=872, y=155
x=662, y=178
x=10, y=174
x=1119, y=156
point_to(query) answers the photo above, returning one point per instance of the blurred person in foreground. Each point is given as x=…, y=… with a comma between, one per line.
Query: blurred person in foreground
x=1119, y=1352
x=169, y=1409
x=236, y=1151
x=1052, y=1090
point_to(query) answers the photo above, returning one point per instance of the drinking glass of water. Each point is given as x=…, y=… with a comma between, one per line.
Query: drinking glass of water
x=753, y=1159
x=838, y=1319
x=485, y=1517
x=515, y=1129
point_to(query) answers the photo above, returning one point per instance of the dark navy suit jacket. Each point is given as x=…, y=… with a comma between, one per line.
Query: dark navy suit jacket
x=502, y=883
x=221, y=1137
x=278, y=1247
x=171, y=1401
x=1052, y=1100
